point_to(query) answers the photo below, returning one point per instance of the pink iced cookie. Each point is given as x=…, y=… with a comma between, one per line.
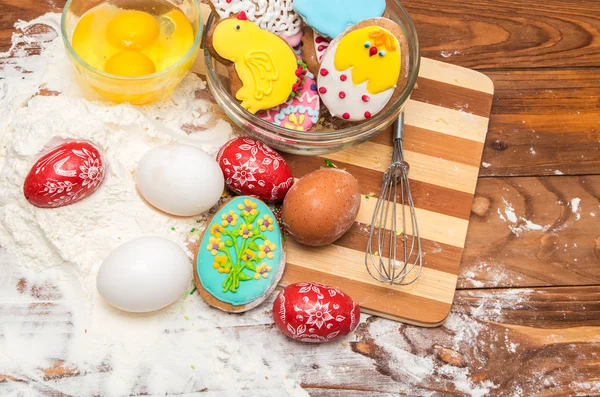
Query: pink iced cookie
x=299, y=113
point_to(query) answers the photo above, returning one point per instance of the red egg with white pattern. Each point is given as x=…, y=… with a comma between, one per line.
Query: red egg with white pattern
x=315, y=313
x=252, y=168
x=67, y=174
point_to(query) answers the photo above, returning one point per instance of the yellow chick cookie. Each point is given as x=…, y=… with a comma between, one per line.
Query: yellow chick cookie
x=265, y=63
x=374, y=55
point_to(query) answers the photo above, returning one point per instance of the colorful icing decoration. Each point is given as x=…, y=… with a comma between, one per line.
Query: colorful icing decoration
x=68, y=173
x=359, y=73
x=265, y=64
x=332, y=17
x=300, y=78
x=299, y=113
x=241, y=257
x=321, y=45
x=252, y=168
x=315, y=313
x=275, y=16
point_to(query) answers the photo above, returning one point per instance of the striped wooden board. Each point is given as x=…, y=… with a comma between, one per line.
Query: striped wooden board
x=446, y=124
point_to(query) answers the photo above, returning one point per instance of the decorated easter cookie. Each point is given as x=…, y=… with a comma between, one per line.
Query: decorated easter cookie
x=313, y=48
x=275, y=16
x=331, y=17
x=363, y=69
x=241, y=257
x=301, y=111
x=262, y=65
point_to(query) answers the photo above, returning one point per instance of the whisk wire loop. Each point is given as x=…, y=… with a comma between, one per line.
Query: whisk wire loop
x=382, y=254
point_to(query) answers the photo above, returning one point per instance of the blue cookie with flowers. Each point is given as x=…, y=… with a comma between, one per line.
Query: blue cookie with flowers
x=241, y=257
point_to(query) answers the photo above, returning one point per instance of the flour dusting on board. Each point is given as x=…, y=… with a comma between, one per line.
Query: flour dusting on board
x=57, y=335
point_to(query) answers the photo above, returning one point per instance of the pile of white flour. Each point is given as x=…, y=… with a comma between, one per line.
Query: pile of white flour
x=50, y=312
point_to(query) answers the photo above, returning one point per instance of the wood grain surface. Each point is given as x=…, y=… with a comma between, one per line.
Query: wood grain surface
x=526, y=316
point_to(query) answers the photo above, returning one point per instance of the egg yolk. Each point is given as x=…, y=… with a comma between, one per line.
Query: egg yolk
x=132, y=30
x=130, y=64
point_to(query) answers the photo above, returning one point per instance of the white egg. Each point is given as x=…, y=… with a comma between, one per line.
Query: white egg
x=180, y=179
x=144, y=274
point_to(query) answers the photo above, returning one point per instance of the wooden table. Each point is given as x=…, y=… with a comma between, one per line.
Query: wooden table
x=526, y=319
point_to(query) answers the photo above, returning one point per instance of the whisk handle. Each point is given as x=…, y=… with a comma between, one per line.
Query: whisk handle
x=399, y=127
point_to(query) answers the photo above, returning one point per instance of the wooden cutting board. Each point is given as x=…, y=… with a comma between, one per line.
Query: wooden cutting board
x=446, y=123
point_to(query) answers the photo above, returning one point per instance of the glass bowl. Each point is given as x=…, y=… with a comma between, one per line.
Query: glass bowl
x=136, y=90
x=324, y=140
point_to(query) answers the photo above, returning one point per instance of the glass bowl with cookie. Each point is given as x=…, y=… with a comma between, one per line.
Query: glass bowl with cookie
x=314, y=80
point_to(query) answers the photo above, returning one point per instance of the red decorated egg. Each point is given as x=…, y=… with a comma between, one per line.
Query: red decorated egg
x=68, y=173
x=252, y=168
x=310, y=312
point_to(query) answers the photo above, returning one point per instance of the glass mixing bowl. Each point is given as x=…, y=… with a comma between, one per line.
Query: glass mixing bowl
x=325, y=140
x=136, y=90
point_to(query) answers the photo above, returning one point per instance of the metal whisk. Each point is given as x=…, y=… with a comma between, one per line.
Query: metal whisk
x=387, y=242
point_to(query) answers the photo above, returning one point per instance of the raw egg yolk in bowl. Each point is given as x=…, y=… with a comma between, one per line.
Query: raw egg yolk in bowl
x=130, y=48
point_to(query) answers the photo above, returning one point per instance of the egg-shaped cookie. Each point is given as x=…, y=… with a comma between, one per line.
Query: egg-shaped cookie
x=364, y=69
x=241, y=257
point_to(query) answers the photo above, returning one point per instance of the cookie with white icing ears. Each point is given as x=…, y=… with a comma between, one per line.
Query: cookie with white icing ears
x=275, y=16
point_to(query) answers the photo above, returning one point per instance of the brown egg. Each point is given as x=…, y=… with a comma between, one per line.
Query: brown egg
x=321, y=207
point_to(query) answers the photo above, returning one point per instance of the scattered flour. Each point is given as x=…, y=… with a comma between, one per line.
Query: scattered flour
x=585, y=388
x=532, y=151
x=509, y=211
x=448, y=54
x=486, y=165
x=558, y=172
x=470, y=276
x=496, y=275
x=50, y=312
x=493, y=305
x=412, y=367
x=575, y=207
x=518, y=224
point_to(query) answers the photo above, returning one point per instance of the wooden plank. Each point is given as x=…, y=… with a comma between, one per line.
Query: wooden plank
x=544, y=123
x=435, y=70
x=432, y=225
x=347, y=263
x=426, y=196
x=424, y=168
x=376, y=297
x=456, y=96
x=437, y=256
x=489, y=34
x=533, y=232
x=453, y=122
x=477, y=34
x=551, y=334
x=446, y=147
